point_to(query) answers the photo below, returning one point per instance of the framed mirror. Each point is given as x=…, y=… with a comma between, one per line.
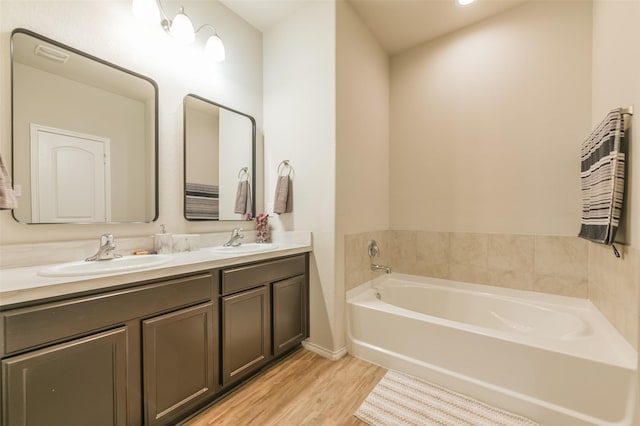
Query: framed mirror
x=84, y=136
x=219, y=161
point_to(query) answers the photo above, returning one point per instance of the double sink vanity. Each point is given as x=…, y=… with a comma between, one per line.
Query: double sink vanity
x=149, y=343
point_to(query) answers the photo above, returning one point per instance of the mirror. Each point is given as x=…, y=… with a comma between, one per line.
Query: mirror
x=84, y=136
x=219, y=161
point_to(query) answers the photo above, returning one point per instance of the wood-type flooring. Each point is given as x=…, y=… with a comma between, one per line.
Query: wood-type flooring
x=303, y=389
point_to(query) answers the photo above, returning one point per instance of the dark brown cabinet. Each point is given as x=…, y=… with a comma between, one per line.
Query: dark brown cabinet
x=290, y=318
x=264, y=310
x=246, y=333
x=78, y=383
x=179, y=359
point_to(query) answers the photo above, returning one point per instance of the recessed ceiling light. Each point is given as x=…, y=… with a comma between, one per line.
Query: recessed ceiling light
x=464, y=2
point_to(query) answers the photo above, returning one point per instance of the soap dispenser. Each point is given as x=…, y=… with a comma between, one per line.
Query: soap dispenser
x=163, y=242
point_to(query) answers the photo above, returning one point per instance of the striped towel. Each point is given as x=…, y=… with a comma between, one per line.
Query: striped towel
x=202, y=201
x=602, y=178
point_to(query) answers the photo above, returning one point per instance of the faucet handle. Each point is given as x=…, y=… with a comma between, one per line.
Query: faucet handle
x=106, y=239
x=373, y=249
x=236, y=232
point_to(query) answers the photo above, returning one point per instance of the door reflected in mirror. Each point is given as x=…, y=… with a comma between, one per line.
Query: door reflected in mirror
x=219, y=156
x=84, y=136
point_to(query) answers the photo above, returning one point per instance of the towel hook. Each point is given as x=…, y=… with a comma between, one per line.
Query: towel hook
x=284, y=166
x=244, y=173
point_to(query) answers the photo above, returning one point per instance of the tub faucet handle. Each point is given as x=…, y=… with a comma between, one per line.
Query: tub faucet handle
x=374, y=250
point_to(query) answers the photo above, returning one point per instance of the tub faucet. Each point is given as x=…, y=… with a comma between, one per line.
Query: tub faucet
x=375, y=267
x=106, y=251
x=234, y=241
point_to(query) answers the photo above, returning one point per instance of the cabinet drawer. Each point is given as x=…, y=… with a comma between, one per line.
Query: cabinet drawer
x=246, y=277
x=35, y=326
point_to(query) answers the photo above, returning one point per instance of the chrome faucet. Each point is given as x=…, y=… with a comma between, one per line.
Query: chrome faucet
x=375, y=267
x=106, y=250
x=234, y=241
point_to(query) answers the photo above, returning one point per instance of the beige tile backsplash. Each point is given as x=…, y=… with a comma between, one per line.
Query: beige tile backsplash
x=567, y=266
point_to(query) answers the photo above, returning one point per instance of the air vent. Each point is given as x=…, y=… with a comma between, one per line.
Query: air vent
x=51, y=53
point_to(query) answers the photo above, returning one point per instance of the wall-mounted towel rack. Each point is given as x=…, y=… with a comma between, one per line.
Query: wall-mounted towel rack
x=244, y=173
x=285, y=168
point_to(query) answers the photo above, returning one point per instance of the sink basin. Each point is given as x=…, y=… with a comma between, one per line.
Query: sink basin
x=243, y=248
x=126, y=263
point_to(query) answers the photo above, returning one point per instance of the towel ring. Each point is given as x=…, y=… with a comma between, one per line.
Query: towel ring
x=244, y=173
x=284, y=166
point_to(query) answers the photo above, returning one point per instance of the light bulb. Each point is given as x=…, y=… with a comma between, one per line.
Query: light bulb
x=215, y=48
x=146, y=11
x=182, y=28
x=464, y=2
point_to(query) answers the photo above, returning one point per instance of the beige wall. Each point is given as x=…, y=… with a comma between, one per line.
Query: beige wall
x=299, y=110
x=109, y=31
x=486, y=124
x=362, y=126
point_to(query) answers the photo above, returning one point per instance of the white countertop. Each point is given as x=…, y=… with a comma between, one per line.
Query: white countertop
x=24, y=284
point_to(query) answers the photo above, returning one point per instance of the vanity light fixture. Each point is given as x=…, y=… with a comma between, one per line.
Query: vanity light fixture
x=180, y=27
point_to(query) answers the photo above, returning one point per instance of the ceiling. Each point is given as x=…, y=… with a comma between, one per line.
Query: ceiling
x=401, y=24
x=263, y=14
x=397, y=24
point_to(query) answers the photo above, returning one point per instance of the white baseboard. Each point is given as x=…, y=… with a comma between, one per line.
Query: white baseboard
x=332, y=355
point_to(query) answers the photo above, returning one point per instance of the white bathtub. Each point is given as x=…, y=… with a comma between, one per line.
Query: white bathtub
x=554, y=359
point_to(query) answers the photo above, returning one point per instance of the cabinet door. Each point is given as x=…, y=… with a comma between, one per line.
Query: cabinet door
x=81, y=383
x=179, y=356
x=246, y=333
x=289, y=313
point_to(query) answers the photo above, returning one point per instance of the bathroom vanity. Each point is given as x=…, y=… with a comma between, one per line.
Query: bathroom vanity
x=151, y=351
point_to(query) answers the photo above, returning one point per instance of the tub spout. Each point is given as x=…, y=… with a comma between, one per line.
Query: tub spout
x=375, y=267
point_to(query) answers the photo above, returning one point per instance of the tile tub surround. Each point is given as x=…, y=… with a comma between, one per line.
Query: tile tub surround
x=567, y=266
x=614, y=287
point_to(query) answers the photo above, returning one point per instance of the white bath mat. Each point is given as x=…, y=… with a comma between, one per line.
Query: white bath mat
x=404, y=400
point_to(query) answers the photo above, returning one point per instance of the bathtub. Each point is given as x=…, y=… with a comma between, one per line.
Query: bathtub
x=554, y=359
